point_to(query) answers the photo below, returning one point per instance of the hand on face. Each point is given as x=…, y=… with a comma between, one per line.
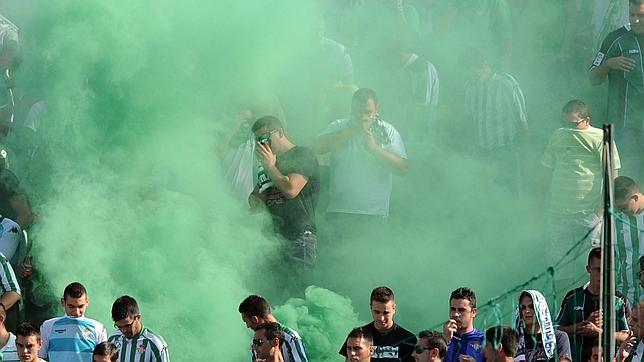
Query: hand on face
x=265, y=155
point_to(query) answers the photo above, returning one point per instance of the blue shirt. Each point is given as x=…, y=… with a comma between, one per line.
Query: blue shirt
x=70, y=339
x=470, y=344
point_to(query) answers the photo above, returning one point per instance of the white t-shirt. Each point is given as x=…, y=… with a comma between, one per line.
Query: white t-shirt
x=10, y=237
x=359, y=182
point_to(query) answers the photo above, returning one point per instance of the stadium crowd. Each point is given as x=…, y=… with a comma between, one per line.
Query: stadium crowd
x=370, y=89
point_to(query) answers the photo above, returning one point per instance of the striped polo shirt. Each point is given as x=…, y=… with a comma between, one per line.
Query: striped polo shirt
x=8, y=281
x=498, y=109
x=625, y=89
x=628, y=248
x=146, y=347
x=70, y=339
x=575, y=157
x=292, y=348
x=9, y=353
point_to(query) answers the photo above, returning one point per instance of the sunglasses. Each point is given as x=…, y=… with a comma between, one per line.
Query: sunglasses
x=257, y=342
x=265, y=137
x=420, y=349
x=126, y=326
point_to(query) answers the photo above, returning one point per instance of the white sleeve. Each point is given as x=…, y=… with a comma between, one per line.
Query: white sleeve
x=101, y=333
x=397, y=146
x=431, y=98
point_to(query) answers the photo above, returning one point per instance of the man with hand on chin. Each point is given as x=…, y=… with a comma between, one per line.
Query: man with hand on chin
x=465, y=343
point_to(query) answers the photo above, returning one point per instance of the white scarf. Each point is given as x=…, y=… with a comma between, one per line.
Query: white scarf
x=542, y=312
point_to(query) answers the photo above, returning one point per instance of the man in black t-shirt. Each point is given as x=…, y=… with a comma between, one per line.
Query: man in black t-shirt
x=288, y=184
x=391, y=341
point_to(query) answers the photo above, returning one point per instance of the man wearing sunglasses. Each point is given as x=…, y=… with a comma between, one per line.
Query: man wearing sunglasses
x=255, y=311
x=71, y=337
x=133, y=341
x=431, y=347
x=288, y=185
x=268, y=341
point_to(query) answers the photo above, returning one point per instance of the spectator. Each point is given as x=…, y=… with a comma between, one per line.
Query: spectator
x=13, y=203
x=365, y=151
x=496, y=107
x=538, y=338
x=71, y=337
x=359, y=345
x=580, y=316
x=105, y=352
x=636, y=323
x=464, y=342
x=10, y=238
x=629, y=241
x=572, y=171
x=8, y=349
x=267, y=342
x=431, y=347
x=256, y=311
x=237, y=143
x=11, y=293
x=620, y=60
x=391, y=341
x=133, y=341
x=28, y=343
x=501, y=344
x=289, y=185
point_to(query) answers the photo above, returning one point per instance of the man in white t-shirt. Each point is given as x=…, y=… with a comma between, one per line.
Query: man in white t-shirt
x=365, y=152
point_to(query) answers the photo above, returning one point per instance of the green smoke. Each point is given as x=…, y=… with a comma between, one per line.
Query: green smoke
x=133, y=201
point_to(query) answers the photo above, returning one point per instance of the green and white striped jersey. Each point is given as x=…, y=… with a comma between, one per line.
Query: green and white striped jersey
x=146, y=347
x=292, y=348
x=629, y=246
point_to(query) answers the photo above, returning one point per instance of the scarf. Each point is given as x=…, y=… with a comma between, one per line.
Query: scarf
x=542, y=314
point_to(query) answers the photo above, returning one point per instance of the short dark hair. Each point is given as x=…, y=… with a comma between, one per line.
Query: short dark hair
x=361, y=96
x=270, y=122
x=361, y=332
x=595, y=253
x=106, y=349
x=464, y=293
x=255, y=305
x=27, y=329
x=124, y=307
x=382, y=295
x=574, y=106
x=625, y=187
x=505, y=335
x=435, y=340
x=641, y=262
x=74, y=290
x=272, y=330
